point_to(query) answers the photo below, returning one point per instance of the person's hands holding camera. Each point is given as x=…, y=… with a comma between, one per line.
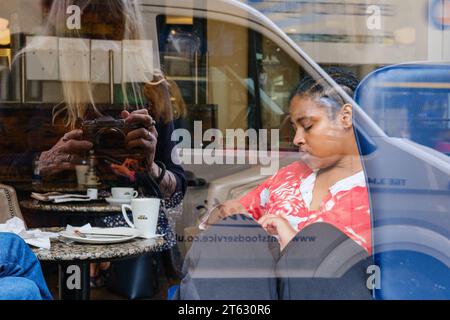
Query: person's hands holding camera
x=144, y=138
x=64, y=153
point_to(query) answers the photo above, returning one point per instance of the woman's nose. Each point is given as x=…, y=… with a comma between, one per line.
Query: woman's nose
x=299, y=138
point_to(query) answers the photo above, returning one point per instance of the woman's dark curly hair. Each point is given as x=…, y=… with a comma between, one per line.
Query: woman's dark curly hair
x=320, y=90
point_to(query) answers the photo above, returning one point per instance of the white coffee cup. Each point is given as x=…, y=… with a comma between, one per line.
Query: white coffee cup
x=145, y=215
x=92, y=193
x=124, y=193
x=81, y=170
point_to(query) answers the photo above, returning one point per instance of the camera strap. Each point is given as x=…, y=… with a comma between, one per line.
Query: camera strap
x=162, y=166
x=151, y=186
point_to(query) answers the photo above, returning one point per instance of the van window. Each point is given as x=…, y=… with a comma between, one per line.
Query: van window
x=402, y=98
x=229, y=76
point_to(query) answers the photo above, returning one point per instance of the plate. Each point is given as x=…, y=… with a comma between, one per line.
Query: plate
x=117, y=202
x=116, y=235
x=64, y=200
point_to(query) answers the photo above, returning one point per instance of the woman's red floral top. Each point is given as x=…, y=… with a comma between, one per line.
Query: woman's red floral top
x=289, y=193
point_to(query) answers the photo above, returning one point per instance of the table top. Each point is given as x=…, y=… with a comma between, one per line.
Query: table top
x=55, y=187
x=100, y=206
x=94, y=252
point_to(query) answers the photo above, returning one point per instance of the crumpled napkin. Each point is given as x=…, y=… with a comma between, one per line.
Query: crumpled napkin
x=34, y=237
x=85, y=228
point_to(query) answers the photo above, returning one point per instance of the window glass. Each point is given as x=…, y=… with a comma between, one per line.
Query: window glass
x=234, y=78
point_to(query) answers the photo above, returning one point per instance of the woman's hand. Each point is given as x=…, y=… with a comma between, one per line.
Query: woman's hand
x=229, y=208
x=226, y=209
x=61, y=156
x=278, y=226
x=145, y=138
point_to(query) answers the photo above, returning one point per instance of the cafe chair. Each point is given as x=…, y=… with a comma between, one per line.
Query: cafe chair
x=9, y=205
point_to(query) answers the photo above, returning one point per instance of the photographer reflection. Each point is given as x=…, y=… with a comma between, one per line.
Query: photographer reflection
x=144, y=123
x=72, y=146
x=155, y=175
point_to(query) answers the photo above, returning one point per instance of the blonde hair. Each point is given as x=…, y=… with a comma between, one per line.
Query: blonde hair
x=165, y=100
x=178, y=104
x=76, y=93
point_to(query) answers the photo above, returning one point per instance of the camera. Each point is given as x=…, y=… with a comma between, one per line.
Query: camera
x=108, y=136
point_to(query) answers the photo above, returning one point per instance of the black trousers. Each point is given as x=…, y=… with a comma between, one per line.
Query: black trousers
x=237, y=259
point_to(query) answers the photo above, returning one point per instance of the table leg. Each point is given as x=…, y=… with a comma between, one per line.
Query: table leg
x=73, y=281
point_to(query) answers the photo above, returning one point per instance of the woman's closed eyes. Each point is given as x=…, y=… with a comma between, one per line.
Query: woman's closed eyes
x=305, y=124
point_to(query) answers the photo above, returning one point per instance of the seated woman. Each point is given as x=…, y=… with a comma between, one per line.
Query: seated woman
x=317, y=208
x=20, y=272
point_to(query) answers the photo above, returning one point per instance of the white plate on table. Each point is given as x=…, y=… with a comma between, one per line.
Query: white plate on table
x=102, y=235
x=117, y=202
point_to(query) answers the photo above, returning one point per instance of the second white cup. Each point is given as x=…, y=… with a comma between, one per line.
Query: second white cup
x=124, y=193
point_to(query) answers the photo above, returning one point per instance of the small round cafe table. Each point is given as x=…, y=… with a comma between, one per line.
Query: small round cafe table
x=94, y=208
x=54, y=187
x=73, y=260
x=40, y=214
x=61, y=214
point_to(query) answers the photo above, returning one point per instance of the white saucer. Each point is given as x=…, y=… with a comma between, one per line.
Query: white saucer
x=117, y=202
x=107, y=235
x=103, y=235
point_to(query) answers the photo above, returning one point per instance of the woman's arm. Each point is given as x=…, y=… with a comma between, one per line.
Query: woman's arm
x=173, y=180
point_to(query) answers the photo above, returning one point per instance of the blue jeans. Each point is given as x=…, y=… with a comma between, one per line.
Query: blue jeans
x=20, y=272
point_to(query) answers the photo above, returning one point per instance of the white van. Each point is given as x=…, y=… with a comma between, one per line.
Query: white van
x=235, y=70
